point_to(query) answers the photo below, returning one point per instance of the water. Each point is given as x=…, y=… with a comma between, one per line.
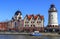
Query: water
x=26, y=37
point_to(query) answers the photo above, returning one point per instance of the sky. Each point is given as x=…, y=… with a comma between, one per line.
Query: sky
x=9, y=7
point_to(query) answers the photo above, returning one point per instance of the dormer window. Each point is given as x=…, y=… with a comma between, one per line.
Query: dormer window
x=32, y=18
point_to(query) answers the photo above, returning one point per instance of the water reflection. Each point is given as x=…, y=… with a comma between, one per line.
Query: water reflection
x=26, y=37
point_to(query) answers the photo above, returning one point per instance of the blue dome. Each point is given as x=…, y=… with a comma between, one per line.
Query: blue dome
x=17, y=12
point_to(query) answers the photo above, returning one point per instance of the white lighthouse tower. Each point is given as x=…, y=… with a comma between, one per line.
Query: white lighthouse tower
x=53, y=19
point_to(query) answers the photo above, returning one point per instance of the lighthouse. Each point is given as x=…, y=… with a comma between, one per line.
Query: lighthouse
x=52, y=16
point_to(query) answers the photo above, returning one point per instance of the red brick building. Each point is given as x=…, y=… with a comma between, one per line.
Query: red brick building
x=3, y=26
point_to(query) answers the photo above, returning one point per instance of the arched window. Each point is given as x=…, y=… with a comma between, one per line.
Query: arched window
x=16, y=24
x=53, y=25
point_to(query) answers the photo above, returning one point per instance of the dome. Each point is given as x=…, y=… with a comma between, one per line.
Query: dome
x=17, y=12
x=52, y=8
x=52, y=5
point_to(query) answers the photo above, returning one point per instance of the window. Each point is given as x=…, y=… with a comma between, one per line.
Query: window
x=19, y=17
x=26, y=25
x=38, y=21
x=18, y=20
x=16, y=24
x=32, y=22
x=31, y=25
x=34, y=25
x=26, y=22
x=38, y=18
x=32, y=18
x=53, y=25
x=51, y=16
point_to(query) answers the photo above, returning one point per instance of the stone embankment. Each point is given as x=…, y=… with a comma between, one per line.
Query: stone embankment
x=50, y=34
x=14, y=33
x=24, y=33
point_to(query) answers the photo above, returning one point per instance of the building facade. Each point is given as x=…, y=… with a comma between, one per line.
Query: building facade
x=35, y=22
x=16, y=22
x=29, y=23
x=3, y=26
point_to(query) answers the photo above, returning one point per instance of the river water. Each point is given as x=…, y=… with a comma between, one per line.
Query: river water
x=26, y=37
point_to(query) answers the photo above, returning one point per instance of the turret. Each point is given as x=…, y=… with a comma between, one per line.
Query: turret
x=17, y=16
x=52, y=8
x=52, y=14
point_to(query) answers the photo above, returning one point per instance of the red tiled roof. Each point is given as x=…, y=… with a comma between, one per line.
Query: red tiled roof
x=35, y=16
x=29, y=17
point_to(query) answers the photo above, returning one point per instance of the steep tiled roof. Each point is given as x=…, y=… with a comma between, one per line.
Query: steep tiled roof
x=29, y=17
x=42, y=17
x=35, y=16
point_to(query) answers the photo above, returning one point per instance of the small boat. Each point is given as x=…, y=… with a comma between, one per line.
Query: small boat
x=36, y=33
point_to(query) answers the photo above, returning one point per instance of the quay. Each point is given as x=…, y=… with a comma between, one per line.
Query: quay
x=14, y=33
x=50, y=34
x=24, y=33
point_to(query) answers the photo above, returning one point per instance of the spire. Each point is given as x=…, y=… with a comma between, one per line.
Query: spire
x=52, y=8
